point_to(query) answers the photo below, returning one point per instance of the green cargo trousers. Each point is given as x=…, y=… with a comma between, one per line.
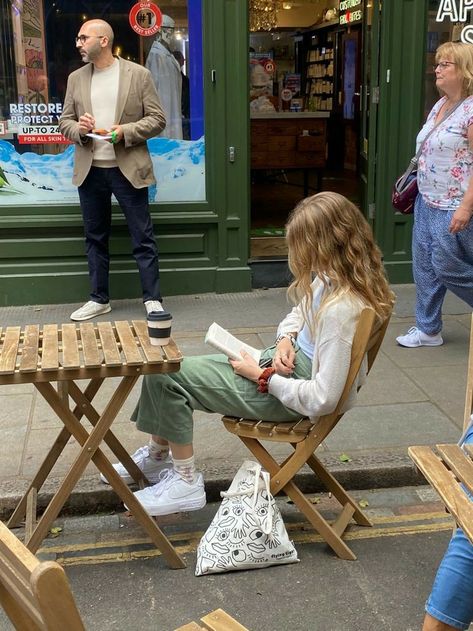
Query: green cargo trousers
x=209, y=384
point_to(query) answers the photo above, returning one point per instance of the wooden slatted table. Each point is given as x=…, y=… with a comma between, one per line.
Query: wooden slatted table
x=449, y=470
x=66, y=354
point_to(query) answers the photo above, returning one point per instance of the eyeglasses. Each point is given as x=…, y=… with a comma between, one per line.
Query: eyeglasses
x=83, y=38
x=443, y=64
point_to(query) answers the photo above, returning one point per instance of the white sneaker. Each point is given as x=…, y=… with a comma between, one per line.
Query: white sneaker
x=172, y=494
x=414, y=337
x=151, y=467
x=90, y=310
x=153, y=305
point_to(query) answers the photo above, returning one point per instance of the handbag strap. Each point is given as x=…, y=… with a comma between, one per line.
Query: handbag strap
x=413, y=162
x=266, y=524
x=442, y=120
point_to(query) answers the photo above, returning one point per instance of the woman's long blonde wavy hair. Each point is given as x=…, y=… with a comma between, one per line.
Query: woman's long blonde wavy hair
x=327, y=235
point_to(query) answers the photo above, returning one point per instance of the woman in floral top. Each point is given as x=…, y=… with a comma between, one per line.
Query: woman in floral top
x=442, y=239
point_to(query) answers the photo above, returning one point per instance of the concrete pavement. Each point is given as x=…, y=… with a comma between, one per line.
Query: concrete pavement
x=413, y=396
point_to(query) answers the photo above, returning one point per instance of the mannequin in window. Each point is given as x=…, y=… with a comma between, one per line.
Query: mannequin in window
x=185, y=101
x=166, y=74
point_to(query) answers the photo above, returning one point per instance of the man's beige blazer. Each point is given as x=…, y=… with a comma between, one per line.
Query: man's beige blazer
x=139, y=113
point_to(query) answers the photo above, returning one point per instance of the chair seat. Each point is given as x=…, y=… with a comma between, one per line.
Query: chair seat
x=293, y=432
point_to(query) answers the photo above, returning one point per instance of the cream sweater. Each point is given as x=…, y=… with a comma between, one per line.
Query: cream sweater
x=333, y=339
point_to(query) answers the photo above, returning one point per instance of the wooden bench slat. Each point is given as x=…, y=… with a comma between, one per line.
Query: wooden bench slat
x=50, y=348
x=220, y=620
x=70, y=346
x=10, y=350
x=110, y=349
x=30, y=350
x=153, y=354
x=461, y=465
x=469, y=449
x=444, y=482
x=90, y=350
x=129, y=348
x=172, y=352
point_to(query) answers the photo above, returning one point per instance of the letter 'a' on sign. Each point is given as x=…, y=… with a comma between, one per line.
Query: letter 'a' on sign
x=145, y=18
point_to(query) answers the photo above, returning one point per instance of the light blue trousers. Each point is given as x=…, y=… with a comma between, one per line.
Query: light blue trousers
x=441, y=261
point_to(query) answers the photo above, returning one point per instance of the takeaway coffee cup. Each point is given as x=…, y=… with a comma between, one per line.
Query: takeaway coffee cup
x=159, y=327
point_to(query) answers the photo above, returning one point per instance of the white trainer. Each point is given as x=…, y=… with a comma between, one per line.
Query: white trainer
x=90, y=310
x=172, y=494
x=153, y=305
x=151, y=467
x=414, y=338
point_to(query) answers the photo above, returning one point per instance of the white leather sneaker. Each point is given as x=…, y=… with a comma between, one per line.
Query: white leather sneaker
x=414, y=338
x=151, y=467
x=172, y=494
x=153, y=305
x=91, y=309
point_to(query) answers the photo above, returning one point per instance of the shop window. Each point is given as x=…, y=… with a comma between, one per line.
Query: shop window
x=38, y=52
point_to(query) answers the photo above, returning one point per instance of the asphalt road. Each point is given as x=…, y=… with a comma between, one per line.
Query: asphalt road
x=384, y=590
x=122, y=583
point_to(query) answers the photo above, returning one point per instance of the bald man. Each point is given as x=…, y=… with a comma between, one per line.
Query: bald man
x=117, y=97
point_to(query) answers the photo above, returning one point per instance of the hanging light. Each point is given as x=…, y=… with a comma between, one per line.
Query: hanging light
x=263, y=15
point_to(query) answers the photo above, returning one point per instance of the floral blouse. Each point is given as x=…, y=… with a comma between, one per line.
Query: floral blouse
x=446, y=162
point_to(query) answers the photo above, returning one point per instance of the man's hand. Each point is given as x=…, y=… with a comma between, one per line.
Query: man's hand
x=283, y=360
x=117, y=134
x=86, y=124
x=460, y=220
x=246, y=367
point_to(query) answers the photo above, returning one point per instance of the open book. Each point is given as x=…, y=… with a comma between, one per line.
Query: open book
x=227, y=343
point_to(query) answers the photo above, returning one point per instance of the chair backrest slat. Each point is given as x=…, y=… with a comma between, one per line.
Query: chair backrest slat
x=34, y=594
x=367, y=339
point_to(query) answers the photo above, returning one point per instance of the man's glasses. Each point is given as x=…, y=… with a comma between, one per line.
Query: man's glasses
x=83, y=38
x=443, y=64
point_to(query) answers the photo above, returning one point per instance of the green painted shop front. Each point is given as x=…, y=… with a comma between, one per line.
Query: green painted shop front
x=204, y=244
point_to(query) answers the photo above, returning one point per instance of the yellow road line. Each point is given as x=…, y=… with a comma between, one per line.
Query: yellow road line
x=192, y=535
x=192, y=539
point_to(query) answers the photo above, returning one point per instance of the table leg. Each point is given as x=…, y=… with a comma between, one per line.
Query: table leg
x=122, y=455
x=90, y=451
x=53, y=455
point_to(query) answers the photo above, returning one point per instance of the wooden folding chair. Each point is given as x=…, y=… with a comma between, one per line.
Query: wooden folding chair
x=35, y=596
x=449, y=468
x=305, y=436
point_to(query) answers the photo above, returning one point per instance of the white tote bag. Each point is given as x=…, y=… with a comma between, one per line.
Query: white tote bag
x=248, y=531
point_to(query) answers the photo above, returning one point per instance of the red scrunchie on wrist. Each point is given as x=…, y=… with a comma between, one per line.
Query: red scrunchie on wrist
x=264, y=378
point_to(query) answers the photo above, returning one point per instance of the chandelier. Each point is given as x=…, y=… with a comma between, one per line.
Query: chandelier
x=263, y=15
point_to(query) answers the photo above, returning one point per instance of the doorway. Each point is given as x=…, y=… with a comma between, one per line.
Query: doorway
x=305, y=86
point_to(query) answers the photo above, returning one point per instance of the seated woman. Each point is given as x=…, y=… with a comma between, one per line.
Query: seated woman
x=450, y=604
x=337, y=272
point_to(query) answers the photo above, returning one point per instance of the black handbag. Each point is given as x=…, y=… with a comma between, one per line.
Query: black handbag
x=405, y=189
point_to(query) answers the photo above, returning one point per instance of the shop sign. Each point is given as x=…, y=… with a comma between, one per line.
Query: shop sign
x=35, y=113
x=349, y=12
x=40, y=135
x=457, y=11
x=145, y=18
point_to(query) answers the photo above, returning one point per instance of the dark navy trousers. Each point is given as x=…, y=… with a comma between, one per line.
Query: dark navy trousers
x=95, y=195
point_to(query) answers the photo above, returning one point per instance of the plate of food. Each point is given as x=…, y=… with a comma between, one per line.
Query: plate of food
x=100, y=134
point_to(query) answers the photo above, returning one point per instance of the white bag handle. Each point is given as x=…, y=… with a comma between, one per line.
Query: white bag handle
x=267, y=523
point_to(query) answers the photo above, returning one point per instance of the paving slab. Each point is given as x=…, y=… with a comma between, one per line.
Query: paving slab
x=413, y=396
